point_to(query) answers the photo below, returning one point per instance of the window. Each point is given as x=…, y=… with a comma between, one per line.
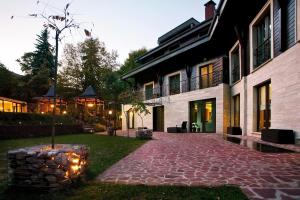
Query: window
x=236, y=111
x=206, y=76
x=149, y=91
x=261, y=38
x=174, y=84
x=264, y=106
x=235, y=63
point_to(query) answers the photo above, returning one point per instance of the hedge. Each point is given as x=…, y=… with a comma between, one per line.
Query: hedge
x=32, y=119
x=27, y=131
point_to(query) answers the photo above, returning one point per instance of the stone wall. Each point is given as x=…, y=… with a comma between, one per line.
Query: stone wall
x=44, y=168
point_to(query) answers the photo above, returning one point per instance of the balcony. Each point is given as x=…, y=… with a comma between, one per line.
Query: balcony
x=195, y=83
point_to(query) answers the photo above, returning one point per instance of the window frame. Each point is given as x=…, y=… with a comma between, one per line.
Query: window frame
x=236, y=46
x=145, y=85
x=168, y=79
x=200, y=75
x=268, y=6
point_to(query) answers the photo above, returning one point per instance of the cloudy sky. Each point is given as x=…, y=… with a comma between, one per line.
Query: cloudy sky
x=123, y=25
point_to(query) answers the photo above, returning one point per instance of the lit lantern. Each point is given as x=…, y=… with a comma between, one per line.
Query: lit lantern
x=64, y=112
x=90, y=105
x=52, y=106
x=110, y=112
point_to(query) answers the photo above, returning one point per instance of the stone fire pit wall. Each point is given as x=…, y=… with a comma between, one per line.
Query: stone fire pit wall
x=46, y=168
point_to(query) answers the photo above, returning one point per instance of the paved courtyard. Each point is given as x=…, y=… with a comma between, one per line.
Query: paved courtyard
x=208, y=160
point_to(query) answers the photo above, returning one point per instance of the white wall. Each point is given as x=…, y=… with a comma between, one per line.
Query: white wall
x=284, y=73
x=176, y=108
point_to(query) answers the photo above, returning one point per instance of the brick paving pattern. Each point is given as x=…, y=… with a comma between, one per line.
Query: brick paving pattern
x=208, y=160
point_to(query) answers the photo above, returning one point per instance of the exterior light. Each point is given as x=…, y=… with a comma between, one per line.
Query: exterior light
x=42, y=113
x=64, y=112
x=90, y=105
x=52, y=106
x=110, y=112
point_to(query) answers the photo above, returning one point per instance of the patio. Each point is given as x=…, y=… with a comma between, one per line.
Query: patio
x=208, y=160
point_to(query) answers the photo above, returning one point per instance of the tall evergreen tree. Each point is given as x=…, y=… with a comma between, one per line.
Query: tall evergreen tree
x=42, y=57
x=38, y=66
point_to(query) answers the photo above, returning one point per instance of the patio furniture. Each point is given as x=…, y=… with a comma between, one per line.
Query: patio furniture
x=279, y=136
x=182, y=129
x=234, y=130
x=195, y=127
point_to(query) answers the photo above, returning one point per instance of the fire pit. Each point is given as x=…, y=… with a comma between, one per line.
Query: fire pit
x=46, y=168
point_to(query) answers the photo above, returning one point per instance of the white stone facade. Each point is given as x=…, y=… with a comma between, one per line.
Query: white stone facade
x=176, y=108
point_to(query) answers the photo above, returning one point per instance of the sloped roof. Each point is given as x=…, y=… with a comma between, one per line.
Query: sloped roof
x=50, y=92
x=89, y=92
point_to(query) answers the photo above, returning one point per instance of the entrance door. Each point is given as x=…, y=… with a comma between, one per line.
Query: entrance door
x=203, y=116
x=158, y=119
x=264, y=107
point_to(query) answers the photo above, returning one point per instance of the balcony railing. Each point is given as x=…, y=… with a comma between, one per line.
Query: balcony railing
x=263, y=52
x=195, y=83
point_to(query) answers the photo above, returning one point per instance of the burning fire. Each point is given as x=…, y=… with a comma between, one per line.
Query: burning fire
x=76, y=164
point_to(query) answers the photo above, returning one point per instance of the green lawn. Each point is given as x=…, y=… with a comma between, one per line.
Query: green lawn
x=104, y=152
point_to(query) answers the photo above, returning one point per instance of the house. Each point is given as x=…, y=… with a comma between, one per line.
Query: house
x=45, y=103
x=12, y=105
x=239, y=67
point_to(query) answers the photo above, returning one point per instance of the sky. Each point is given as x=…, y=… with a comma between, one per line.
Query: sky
x=123, y=25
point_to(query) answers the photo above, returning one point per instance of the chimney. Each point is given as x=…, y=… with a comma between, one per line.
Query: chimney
x=209, y=9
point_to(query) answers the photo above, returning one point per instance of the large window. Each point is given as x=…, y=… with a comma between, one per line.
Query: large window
x=203, y=116
x=149, y=91
x=236, y=111
x=264, y=106
x=261, y=38
x=174, y=84
x=235, y=64
x=206, y=76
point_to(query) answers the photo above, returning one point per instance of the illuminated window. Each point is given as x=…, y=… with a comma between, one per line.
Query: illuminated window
x=206, y=76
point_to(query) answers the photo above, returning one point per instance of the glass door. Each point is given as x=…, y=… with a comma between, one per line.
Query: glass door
x=264, y=107
x=203, y=116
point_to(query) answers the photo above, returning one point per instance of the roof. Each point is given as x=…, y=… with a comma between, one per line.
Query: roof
x=12, y=100
x=89, y=92
x=200, y=41
x=177, y=38
x=50, y=92
x=187, y=25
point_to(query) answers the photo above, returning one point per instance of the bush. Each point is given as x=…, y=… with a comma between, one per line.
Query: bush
x=32, y=119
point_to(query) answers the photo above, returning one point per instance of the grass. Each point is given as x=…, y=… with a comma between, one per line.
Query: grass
x=104, y=152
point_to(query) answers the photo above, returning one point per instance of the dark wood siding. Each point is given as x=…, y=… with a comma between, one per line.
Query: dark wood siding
x=284, y=25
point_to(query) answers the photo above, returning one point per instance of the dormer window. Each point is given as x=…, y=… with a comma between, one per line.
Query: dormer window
x=235, y=63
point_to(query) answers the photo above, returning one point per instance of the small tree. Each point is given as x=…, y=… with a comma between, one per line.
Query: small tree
x=58, y=23
x=141, y=109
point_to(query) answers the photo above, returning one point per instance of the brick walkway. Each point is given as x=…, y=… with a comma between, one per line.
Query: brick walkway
x=207, y=160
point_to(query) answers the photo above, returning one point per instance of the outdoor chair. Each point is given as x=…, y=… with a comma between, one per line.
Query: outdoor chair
x=182, y=129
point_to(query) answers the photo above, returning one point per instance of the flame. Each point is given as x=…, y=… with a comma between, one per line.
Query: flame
x=75, y=168
x=75, y=160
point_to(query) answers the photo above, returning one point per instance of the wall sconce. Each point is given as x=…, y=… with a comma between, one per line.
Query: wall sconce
x=110, y=112
x=64, y=112
x=52, y=106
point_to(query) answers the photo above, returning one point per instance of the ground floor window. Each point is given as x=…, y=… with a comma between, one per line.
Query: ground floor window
x=236, y=111
x=203, y=116
x=130, y=119
x=264, y=106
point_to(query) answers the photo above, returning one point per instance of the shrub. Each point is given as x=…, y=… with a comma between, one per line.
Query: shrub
x=32, y=119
